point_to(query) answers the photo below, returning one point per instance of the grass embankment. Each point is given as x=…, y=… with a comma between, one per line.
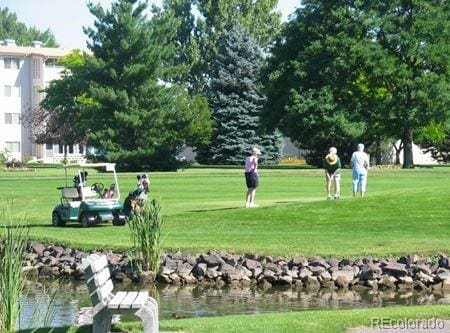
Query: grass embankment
x=293, y=322
x=405, y=211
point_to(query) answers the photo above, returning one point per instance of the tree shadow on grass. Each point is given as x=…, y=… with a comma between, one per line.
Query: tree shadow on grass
x=288, y=202
x=69, y=226
x=212, y=210
x=73, y=329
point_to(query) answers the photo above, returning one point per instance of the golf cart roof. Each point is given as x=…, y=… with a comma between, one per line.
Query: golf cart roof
x=107, y=166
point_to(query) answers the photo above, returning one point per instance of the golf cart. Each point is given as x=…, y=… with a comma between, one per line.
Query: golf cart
x=89, y=204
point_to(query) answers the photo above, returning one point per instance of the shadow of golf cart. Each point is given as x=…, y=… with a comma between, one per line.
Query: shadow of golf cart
x=89, y=204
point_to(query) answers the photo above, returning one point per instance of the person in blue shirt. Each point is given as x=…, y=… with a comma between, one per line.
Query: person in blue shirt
x=360, y=165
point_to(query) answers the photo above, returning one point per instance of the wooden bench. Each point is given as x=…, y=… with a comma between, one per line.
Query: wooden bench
x=106, y=304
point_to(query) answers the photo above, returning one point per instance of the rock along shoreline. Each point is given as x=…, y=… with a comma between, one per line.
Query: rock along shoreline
x=48, y=261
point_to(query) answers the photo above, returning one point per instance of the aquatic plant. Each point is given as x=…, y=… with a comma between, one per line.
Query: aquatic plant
x=13, y=242
x=146, y=233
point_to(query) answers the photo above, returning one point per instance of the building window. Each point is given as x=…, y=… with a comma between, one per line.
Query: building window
x=36, y=69
x=36, y=95
x=49, y=146
x=11, y=63
x=12, y=118
x=12, y=146
x=60, y=149
x=12, y=91
x=80, y=149
x=70, y=149
x=52, y=62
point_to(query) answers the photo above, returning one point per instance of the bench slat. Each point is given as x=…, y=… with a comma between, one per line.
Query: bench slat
x=101, y=277
x=105, y=303
x=105, y=290
x=128, y=300
x=115, y=302
x=140, y=300
x=98, y=264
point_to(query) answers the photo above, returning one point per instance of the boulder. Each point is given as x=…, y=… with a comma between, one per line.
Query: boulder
x=184, y=268
x=37, y=248
x=444, y=261
x=30, y=272
x=199, y=270
x=387, y=283
x=268, y=276
x=446, y=285
x=164, y=279
x=417, y=284
x=421, y=268
x=347, y=274
x=442, y=275
x=211, y=260
x=188, y=278
x=304, y=273
x=424, y=278
x=317, y=270
x=146, y=277
x=172, y=265
x=256, y=272
x=285, y=279
x=370, y=272
x=312, y=284
x=252, y=264
x=342, y=281
x=299, y=261
x=395, y=268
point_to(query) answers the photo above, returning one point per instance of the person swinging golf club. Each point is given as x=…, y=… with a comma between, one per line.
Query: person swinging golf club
x=251, y=177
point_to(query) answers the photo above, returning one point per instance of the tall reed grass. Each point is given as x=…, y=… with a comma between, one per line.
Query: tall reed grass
x=13, y=242
x=146, y=233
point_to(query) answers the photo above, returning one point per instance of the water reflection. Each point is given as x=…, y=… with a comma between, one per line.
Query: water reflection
x=198, y=300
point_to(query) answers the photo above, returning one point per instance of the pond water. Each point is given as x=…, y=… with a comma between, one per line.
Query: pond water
x=58, y=304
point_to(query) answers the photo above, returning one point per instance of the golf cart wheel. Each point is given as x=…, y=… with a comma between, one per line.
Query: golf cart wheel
x=57, y=221
x=84, y=221
x=118, y=223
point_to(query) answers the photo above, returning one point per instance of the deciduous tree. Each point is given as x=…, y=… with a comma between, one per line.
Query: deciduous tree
x=344, y=71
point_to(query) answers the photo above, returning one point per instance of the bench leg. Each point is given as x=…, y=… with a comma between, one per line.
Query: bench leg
x=102, y=322
x=149, y=316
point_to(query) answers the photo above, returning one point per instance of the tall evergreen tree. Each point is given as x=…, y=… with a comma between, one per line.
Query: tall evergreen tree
x=127, y=103
x=139, y=118
x=234, y=94
x=199, y=35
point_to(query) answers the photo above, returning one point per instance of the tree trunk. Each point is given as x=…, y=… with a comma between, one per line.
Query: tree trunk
x=378, y=151
x=397, y=152
x=408, y=149
x=65, y=154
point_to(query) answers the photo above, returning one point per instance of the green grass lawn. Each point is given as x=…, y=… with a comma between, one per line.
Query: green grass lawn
x=293, y=322
x=405, y=211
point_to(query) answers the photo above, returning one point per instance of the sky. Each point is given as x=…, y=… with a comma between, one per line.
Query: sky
x=66, y=18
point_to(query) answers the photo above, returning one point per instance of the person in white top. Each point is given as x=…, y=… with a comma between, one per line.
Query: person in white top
x=360, y=164
x=251, y=177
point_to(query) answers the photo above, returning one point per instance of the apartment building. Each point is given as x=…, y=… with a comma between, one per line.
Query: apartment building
x=24, y=72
